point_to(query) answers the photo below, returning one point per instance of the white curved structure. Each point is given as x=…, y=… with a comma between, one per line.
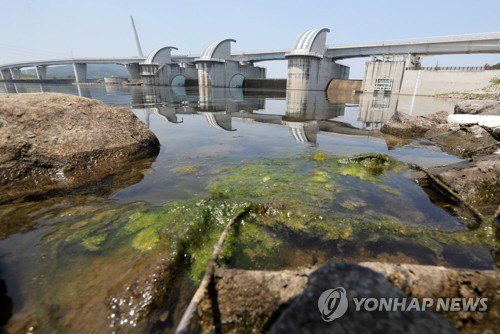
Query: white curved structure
x=217, y=69
x=311, y=42
x=218, y=50
x=160, y=56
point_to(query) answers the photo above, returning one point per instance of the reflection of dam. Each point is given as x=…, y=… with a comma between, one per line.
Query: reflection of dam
x=376, y=109
x=306, y=114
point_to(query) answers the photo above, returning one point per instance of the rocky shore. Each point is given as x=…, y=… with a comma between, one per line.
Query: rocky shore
x=476, y=181
x=56, y=145
x=52, y=144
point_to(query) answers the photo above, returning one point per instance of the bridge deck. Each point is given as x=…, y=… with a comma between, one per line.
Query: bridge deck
x=478, y=43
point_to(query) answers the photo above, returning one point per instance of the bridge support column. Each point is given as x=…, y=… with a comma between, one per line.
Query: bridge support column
x=6, y=75
x=41, y=72
x=80, y=70
x=211, y=74
x=15, y=73
x=133, y=70
x=227, y=74
x=313, y=73
x=308, y=66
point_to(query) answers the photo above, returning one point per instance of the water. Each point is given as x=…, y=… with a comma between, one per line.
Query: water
x=62, y=259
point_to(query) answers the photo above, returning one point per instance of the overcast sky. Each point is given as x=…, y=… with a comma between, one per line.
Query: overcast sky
x=34, y=29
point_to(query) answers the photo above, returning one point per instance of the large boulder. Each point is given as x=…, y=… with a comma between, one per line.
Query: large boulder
x=404, y=125
x=48, y=140
x=478, y=107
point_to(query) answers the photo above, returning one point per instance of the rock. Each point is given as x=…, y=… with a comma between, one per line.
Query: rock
x=439, y=282
x=403, y=125
x=303, y=315
x=462, y=140
x=243, y=301
x=477, y=181
x=143, y=291
x=50, y=139
x=247, y=299
x=479, y=107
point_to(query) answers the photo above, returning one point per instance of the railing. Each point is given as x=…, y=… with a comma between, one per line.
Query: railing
x=449, y=68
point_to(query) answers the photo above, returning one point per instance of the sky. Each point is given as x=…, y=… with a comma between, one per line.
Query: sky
x=37, y=30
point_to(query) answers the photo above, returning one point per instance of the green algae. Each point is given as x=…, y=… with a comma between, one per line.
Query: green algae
x=93, y=243
x=186, y=169
x=353, y=204
x=293, y=195
x=146, y=239
x=320, y=156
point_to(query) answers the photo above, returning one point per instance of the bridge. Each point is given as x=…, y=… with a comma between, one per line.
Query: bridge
x=311, y=63
x=13, y=71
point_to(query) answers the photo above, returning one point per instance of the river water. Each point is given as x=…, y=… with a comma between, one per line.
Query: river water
x=64, y=261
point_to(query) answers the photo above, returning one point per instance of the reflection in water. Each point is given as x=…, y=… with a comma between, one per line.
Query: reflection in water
x=376, y=109
x=306, y=114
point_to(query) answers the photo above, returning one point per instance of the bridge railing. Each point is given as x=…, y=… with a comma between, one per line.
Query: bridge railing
x=448, y=68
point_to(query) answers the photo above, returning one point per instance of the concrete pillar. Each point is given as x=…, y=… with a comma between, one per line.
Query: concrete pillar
x=83, y=91
x=211, y=74
x=133, y=70
x=412, y=61
x=80, y=70
x=313, y=73
x=6, y=74
x=41, y=72
x=15, y=73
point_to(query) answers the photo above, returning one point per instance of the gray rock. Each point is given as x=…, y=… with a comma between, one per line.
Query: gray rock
x=247, y=299
x=462, y=140
x=303, y=315
x=478, y=107
x=476, y=181
x=403, y=125
x=50, y=140
x=250, y=301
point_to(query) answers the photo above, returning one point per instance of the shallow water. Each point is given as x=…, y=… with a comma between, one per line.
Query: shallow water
x=62, y=259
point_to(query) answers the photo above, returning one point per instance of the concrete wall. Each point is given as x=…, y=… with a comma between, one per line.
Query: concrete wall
x=338, y=85
x=431, y=82
x=220, y=74
x=163, y=75
x=383, y=69
x=274, y=84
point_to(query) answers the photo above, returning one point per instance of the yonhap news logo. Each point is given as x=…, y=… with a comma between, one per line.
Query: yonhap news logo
x=333, y=304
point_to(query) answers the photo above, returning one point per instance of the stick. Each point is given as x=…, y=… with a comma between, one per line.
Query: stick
x=207, y=278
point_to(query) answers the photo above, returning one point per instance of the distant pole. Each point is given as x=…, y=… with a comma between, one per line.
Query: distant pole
x=139, y=49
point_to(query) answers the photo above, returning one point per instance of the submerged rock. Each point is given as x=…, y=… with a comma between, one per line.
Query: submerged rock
x=476, y=181
x=478, y=107
x=462, y=140
x=48, y=139
x=404, y=125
